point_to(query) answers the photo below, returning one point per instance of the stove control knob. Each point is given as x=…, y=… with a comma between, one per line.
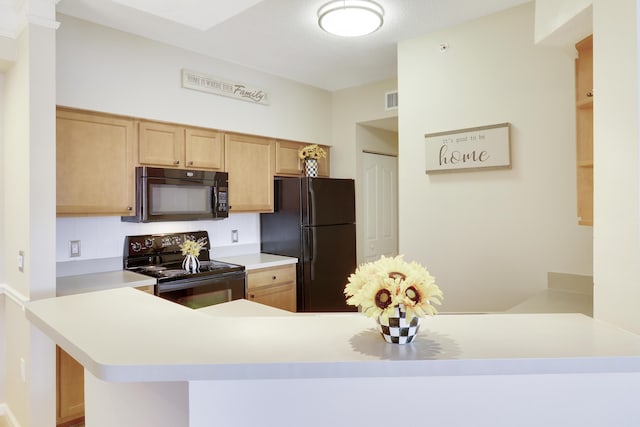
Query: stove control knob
x=148, y=242
x=136, y=246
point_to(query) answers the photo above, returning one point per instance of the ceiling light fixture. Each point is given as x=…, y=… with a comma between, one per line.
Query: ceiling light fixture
x=350, y=18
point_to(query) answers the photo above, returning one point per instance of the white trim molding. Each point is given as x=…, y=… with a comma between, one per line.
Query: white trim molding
x=16, y=14
x=13, y=295
x=6, y=414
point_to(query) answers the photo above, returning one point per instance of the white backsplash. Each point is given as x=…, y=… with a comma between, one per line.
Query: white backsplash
x=103, y=237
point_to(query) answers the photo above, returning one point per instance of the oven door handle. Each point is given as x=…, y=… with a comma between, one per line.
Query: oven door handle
x=187, y=283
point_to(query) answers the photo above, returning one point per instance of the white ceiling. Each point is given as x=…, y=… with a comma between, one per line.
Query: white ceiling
x=281, y=37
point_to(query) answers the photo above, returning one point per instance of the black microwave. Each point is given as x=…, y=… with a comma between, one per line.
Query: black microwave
x=164, y=194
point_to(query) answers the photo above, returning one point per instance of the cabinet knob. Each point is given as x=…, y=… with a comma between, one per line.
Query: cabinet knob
x=129, y=208
x=252, y=296
x=590, y=94
x=191, y=163
x=274, y=277
x=177, y=162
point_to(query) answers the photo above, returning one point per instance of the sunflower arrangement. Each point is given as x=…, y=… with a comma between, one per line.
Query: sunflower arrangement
x=377, y=287
x=192, y=247
x=312, y=152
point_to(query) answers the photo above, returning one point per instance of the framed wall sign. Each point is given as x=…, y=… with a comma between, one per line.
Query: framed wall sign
x=210, y=84
x=472, y=148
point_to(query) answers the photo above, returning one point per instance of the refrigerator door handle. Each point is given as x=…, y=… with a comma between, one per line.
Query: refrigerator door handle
x=310, y=251
x=310, y=200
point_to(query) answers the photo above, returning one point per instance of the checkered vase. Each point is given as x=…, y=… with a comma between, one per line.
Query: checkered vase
x=311, y=167
x=396, y=329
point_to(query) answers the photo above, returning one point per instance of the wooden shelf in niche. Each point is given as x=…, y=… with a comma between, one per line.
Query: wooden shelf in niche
x=584, y=130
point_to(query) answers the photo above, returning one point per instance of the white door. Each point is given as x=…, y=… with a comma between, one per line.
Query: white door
x=381, y=206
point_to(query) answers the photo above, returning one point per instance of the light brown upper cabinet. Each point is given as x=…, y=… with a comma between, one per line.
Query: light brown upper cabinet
x=204, y=149
x=171, y=145
x=94, y=161
x=289, y=164
x=250, y=162
x=584, y=130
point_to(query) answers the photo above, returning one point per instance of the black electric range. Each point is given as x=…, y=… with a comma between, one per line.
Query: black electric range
x=160, y=256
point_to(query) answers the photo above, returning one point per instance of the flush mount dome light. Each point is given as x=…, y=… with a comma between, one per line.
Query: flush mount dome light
x=350, y=18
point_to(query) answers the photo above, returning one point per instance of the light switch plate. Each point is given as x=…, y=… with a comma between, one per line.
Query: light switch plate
x=234, y=236
x=21, y=261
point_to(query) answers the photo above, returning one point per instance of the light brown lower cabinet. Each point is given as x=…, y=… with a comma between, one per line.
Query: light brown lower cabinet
x=273, y=286
x=69, y=389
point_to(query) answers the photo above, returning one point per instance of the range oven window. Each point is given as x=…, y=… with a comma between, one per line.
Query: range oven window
x=205, y=299
x=179, y=199
x=204, y=291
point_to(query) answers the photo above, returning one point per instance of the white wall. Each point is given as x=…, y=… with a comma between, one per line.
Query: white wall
x=28, y=213
x=349, y=108
x=490, y=237
x=353, y=110
x=563, y=22
x=106, y=70
x=103, y=237
x=616, y=164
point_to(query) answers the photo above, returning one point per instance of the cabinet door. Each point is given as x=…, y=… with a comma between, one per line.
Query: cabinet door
x=287, y=160
x=204, y=149
x=94, y=161
x=278, y=296
x=324, y=167
x=70, y=388
x=289, y=164
x=275, y=286
x=160, y=144
x=250, y=162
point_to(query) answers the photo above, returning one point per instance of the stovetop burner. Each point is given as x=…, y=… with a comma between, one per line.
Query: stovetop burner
x=173, y=273
x=153, y=268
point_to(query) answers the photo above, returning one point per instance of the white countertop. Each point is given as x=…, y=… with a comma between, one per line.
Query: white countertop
x=556, y=301
x=69, y=285
x=124, y=335
x=255, y=261
x=81, y=283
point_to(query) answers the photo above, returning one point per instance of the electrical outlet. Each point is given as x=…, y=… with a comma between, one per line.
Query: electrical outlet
x=234, y=236
x=74, y=248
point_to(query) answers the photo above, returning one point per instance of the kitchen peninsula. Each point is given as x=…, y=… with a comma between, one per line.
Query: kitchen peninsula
x=149, y=361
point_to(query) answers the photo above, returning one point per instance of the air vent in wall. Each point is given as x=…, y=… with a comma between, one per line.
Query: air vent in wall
x=391, y=100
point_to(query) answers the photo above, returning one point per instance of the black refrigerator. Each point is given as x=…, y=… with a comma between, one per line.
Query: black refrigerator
x=314, y=221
